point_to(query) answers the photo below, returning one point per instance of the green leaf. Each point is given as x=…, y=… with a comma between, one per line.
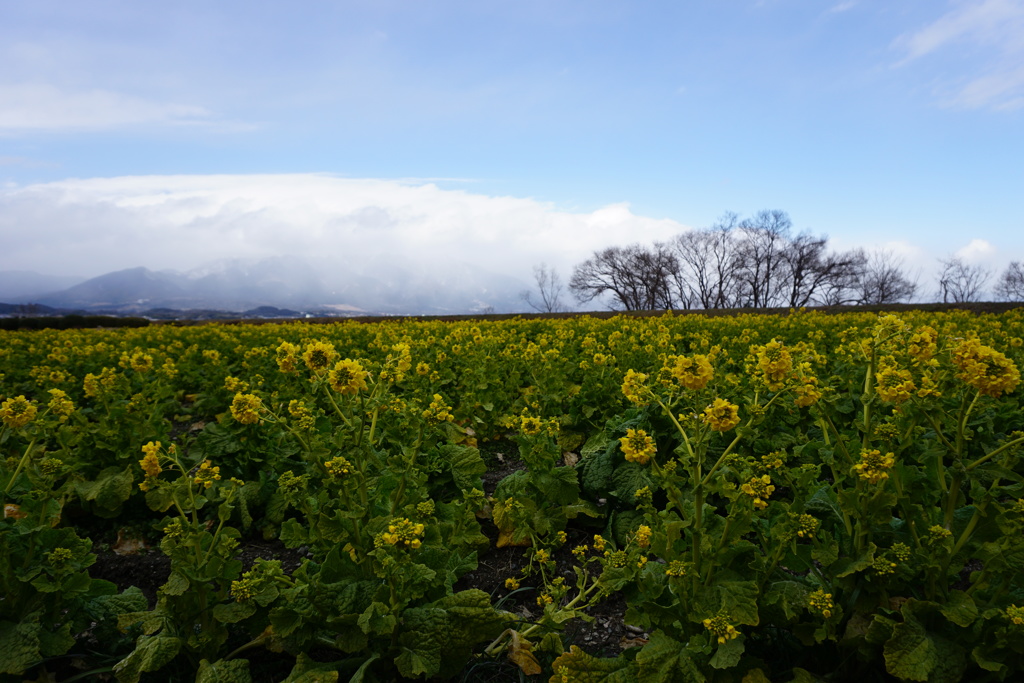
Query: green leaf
x=666, y=659
x=307, y=670
x=789, y=596
x=739, y=600
x=728, y=653
x=916, y=655
x=177, y=584
x=466, y=465
x=151, y=653
x=628, y=478
x=19, y=644
x=960, y=609
x=846, y=566
x=377, y=619
x=231, y=671
x=424, y=634
x=111, y=488
x=234, y=612
x=54, y=643
x=471, y=619
x=580, y=667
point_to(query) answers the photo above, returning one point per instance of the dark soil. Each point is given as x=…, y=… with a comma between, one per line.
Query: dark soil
x=605, y=634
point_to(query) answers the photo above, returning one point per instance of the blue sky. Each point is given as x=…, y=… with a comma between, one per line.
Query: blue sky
x=880, y=123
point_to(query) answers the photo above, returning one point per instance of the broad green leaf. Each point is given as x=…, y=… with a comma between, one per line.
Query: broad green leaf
x=728, y=654
x=846, y=566
x=665, y=659
x=424, y=634
x=151, y=653
x=231, y=671
x=960, y=609
x=466, y=465
x=177, y=584
x=739, y=600
x=377, y=619
x=19, y=644
x=233, y=612
x=789, y=596
x=307, y=670
x=580, y=667
x=111, y=488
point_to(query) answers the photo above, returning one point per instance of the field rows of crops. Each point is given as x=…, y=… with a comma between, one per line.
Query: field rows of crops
x=794, y=498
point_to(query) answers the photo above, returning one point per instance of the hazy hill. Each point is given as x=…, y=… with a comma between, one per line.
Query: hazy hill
x=384, y=287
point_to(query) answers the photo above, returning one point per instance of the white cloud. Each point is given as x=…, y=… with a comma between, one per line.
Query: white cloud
x=87, y=227
x=35, y=106
x=986, y=38
x=977, y=251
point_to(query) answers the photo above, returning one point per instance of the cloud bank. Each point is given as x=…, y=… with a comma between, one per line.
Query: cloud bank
x=92, y=226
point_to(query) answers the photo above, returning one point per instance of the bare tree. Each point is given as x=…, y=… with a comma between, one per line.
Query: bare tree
x=961, y=282
x=813, y=273
x=637, y=278
x=1011, y=283
x=763, y=240
x=549, y=290
x=884, y=281
x=708, y=267
x=842, y=286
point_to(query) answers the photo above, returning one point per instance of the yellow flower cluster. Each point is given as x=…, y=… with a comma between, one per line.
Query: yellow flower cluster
x=985, y=369
x=893, y=383
x=635, y=389
x=235, y=384
x=883, y=566
x=17, y=412
x=403, y=533
x=643, y=536
x=676, y=568
x=721, y=628
x=95, y=386
x=721, y=415
x=150, y=463
x=137, y=361
x=807, y=526
x=59, y=556
x=900, y=551
x=348, y=377
x=773, y=364
x=338, y=467
x=1015, y=614
x=302, y=414
x=60, y=405
x=512, y=584
x=807, y=393
x=530, y=426
x=318, y=356
x=287, y=357
x=637, y=446
x=207, y=474
x=246, y=408
x=760, y=489
x=821, y=602
x=922, y=345
x=873, y=465
x=691, y=373
x=438, y=411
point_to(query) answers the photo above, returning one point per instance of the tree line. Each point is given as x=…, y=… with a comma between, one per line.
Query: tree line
x=755, y=262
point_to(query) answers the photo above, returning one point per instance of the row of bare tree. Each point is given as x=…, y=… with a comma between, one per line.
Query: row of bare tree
x=755, y=262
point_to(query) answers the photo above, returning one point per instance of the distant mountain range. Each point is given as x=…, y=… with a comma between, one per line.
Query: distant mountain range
x=297, y=285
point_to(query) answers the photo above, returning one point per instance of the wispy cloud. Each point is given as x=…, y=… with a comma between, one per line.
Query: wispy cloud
x=843, y=6
x=986, y=40
x=34, y=106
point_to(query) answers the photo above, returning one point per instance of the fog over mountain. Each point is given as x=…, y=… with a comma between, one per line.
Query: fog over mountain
x=375, y=286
